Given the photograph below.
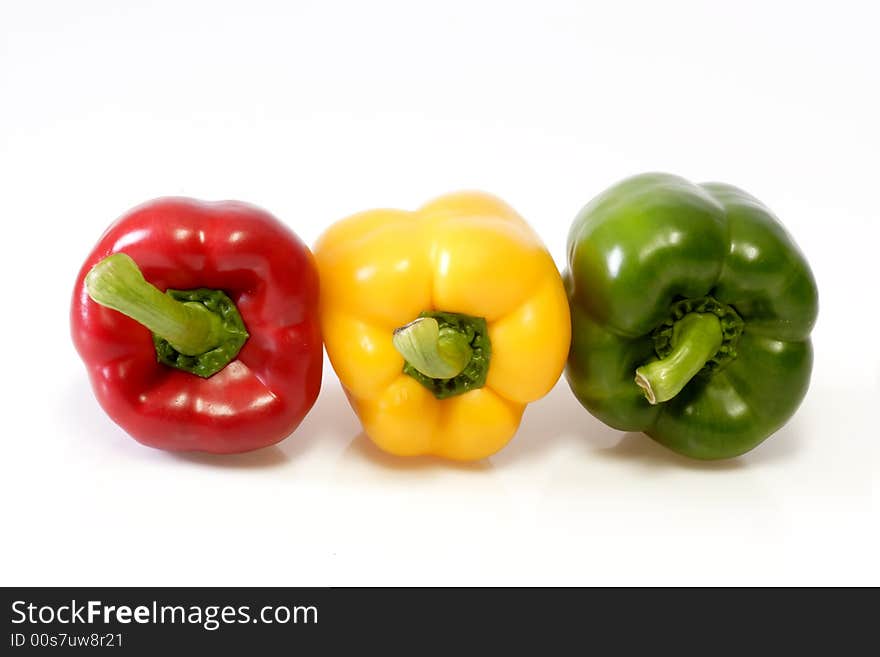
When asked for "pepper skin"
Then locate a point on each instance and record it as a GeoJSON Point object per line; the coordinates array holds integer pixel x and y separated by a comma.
{"type": "Point", "coordinates": [263, 393]}
{"type": "Point", "coordinates": [667, 278]}
{"type": "Point", "coordinates": [471, 257]}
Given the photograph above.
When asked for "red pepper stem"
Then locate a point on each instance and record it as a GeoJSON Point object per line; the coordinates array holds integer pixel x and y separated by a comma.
{"type": "Point", "coordinates": [117, 282]}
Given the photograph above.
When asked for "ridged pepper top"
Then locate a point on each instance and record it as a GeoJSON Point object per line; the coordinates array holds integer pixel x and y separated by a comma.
{"type": "Point", "coordinates": [466, 253]}
{"type": "Point", "coordinates": [656, 243]}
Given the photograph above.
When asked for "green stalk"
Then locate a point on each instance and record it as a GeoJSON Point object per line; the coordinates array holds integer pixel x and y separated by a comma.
{"type": "Point", "coordinates": [190, 328]}
{"type": "Point", "coordinates": [696, 338]}
{"type": "Point", "coordinates": [436, 353]}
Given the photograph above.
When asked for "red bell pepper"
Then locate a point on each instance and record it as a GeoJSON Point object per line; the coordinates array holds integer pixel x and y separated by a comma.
{"type": "Point", "coordinates": [229, 358]}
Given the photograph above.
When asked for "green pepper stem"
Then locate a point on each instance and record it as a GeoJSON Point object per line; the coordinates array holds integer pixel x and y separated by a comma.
{"type": "Point", "coordinates": [117, 282]}
{"type": "Point", "coordinates": [696, 338]}
{"type": "Point", "coordinates": [437, 353]}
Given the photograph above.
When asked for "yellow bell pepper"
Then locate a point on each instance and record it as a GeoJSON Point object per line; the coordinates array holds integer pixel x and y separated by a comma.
{"type": "Point", "coordinates": [453, 383]}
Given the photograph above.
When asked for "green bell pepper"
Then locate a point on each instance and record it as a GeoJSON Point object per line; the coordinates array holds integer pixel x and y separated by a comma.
{"type": "Point", "coordinates": [691, 315]}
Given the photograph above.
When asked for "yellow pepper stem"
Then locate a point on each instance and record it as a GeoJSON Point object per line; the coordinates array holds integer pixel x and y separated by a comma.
{"type": "Point", "coordinates": [437, 353]}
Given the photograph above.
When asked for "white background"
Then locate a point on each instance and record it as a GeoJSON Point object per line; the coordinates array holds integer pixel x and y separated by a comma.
{"type": "Point", "coordinates": [318, 110]}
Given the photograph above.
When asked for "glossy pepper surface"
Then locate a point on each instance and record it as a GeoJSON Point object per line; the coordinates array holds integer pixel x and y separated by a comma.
{"type": "Point", "coordinates": [691, 315]}
{"type": "Point", "coordinates": [442, 324]}
{"type": "Point", "coordinates": [232, 357]}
